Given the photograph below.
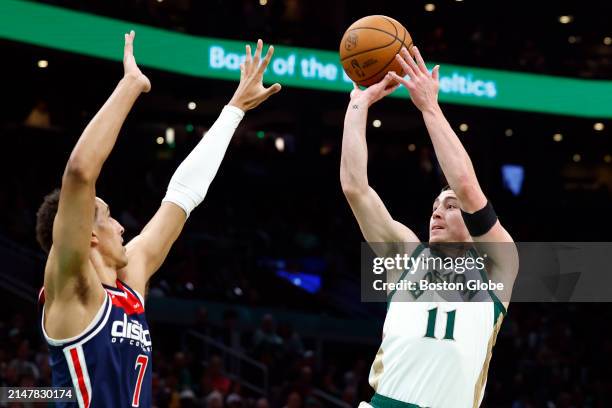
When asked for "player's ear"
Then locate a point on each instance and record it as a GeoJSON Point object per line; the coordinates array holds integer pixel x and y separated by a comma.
{"type": "Point", "coordinates": [94, 239]}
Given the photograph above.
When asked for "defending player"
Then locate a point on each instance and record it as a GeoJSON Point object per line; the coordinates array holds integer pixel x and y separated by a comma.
{"type": "Point", "coordinates": [433, 353]}
{"type": "Point", "coordinates": [93, 314]}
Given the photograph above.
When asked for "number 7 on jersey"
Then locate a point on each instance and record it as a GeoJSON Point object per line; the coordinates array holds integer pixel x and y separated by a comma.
{"type": "Point", "coordinates": [141, 366]}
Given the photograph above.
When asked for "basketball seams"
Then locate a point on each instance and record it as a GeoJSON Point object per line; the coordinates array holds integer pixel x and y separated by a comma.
{"type": "Point", "coordinates": [392, 23]}
{"type": "Point", "coordinates": [395, 38]}
{"type": "Point", "coordinates": [370, 49]}
{"type": "Point", "coordinates": [376, 29]}
{"type": "Point", "coordinates": [391, 60]}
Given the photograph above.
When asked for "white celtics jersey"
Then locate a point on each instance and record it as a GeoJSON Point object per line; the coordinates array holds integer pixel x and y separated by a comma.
{"type": "Point", "coordinates": [435, 353]}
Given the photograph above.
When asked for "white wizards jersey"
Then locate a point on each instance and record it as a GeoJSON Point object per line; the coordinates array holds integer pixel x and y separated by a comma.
{"type": "Point", "coordinates": [435, 353]}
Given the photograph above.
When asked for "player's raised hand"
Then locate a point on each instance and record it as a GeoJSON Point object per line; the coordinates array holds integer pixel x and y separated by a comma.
{"type": "Point", "coordinates": [130, 69]}
{"type": "Point", "coordinates": [423, 86]}
{"type": "Point", "coordinates": [251, 92]}
{"type": "Point", "coordinates": [375, 92]}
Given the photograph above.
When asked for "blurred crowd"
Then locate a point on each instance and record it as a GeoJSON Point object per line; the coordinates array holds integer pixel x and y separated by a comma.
{"type": "Point", "coordinates": [547, 355]}
{"type": "Point", "coordinates": [267, 211]}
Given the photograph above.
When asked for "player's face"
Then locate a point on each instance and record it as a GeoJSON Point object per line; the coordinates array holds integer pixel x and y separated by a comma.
{"type": "Point", "coordinates": [446, 223]}
{"type": "Point", "coordinates": [109, 234]}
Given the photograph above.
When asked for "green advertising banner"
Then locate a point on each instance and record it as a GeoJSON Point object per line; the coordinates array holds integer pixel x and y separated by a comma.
{"type": "Point", "coordinates": [102, 37]}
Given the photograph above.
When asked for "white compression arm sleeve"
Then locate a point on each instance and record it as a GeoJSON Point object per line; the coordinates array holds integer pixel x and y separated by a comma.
{"type": "Point", "coordinates": [192, 178]}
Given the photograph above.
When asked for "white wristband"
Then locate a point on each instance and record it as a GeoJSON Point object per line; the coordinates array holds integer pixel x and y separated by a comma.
{"type": "Point", "coordinates": [192, 178]}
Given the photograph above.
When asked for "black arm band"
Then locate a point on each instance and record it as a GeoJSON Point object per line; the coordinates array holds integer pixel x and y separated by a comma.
{"type": "Point", "coordinates": [481, 221]}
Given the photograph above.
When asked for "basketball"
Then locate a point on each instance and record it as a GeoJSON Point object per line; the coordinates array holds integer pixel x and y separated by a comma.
{"type": "Point", "coordinates": [368, 48]}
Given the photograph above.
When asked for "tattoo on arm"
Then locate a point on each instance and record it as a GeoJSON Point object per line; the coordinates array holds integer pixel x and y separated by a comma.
{"type": "Point", "coordinates": [355, 106]}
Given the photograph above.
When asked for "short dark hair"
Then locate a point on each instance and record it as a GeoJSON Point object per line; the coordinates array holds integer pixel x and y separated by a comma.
{"type": "Point", "coordinates": [44, 219]}
{"type": "Point", "coordinates": [445, 188]}
{"type": "Point", "coordinates": [45, 216]}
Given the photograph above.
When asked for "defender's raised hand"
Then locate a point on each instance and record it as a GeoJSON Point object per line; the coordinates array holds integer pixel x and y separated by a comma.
{"type": "Point", "coordinates": [130, 69]}
{"type": "Point", "coordinates": [251, 92]}
{"type": "Point", "coordinates": [423, 86]}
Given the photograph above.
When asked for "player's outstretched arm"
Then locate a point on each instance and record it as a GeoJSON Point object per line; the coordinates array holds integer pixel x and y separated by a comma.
{"type": "Point", "coordinates": [73, 224]}
{"type": "Point", "coordinates": [454, 160]}
{"type": "Point", "coordinates": [193, 177]}
{"type": "Point", "coordinates": [374, 219]}
{"type": "Point", "coordinates": [452, 156]}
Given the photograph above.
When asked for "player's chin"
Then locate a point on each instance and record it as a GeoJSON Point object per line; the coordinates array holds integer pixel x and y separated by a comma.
{"type": "Point", "coordinates": [123, 259]}
{"type": "Point", "coordinates": [437, 236]}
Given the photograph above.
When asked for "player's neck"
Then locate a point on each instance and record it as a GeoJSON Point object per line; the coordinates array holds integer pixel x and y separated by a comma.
{"type": "Point", "coordinates": [106, 271]}
{"type": "Point", "coordinates": [450, 249]}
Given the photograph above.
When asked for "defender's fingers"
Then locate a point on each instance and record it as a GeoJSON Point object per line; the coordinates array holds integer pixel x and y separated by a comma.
{"type": "Point", "coordinates": [128, 48]}
{"type": "Point", "coordinates": [266, 59]}
{"type": "Point", "coordinates": [273, 89]}
{"type": "Point", "coordinates": [249, 58]}
{"type": "Point", "coordinates": [258, 52]}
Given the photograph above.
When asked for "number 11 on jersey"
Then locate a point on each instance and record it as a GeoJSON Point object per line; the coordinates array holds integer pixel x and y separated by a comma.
{"type": "Point", "coordinates": [450, 324]}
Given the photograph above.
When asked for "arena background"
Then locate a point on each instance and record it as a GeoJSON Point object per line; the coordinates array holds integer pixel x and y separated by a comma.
{"type": "Point", "coordinates": [258, 302]}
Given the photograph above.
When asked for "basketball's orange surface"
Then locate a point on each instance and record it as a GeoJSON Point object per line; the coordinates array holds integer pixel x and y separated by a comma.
{"type": "Point", "coordinates": [368, 48]}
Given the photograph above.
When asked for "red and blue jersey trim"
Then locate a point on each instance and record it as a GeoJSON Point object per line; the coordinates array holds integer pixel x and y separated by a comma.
{"type": "Point", "coordinates": [126, 298]}
{"type": "Point", "coordinates": [110, 352]}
